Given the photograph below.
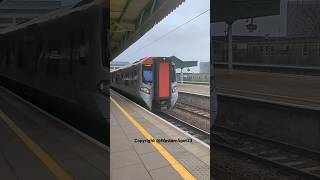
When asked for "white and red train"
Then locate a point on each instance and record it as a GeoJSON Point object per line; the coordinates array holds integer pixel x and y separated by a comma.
{"type": "Point", "coordinates": [150, 81]}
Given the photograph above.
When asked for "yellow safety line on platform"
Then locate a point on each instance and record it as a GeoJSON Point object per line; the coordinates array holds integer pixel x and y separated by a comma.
{"type": "Point", "coordinates": [174, 163]}
{"type": "Point", "coordinates": [36, 149]}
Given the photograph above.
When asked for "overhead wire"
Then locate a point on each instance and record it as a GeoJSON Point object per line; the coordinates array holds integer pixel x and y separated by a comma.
{"type": "Point", "coordinates": [171, 31]}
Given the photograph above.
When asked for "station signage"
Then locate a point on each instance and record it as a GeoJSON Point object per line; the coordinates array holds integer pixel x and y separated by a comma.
{"type": "Point", "coordinates": [232, 10]}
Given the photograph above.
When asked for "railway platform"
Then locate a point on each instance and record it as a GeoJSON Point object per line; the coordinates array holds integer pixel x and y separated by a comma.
{"type": "Point", "coordinates": [195, 89]}
{"type": "Point", "coordinates": [36, 145]}
{"type": "Point", "coordinates": [144, 146]}
{"type": "Point", "coordinates": [300, 90]}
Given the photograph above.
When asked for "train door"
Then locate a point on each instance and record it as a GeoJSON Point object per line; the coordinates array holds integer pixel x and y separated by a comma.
{"type": "Point", "coordinates": [162, 85]}
{"type": "Point", "coordinates": [164, 80]}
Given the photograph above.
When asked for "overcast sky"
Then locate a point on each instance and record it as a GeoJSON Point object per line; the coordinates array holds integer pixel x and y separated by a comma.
{"type": "Point", "coordinates": [191, 42]}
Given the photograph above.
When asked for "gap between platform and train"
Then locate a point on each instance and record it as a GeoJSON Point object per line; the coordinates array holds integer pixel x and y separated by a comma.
{"type": "Point", "coordinates": [172, 161]}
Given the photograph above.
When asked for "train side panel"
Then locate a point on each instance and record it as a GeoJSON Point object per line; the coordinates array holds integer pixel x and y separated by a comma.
{"type": "Point", "coordinates": [57, 65]}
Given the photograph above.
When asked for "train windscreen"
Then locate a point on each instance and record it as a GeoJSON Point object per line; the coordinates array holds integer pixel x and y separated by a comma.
{"type": "Point", "coordinates": [147, 74]}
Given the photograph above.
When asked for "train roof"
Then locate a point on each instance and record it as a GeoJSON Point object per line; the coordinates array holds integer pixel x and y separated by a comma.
{"type": "Point", "coordinates": [148, 59]}
{"type": "Point", "coordinates": [62, 12]}
{"type": "Point", "coordinates": [141, 61]}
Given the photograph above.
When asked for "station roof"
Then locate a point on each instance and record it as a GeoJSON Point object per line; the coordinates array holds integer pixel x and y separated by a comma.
{"type": "Point", "coordinates": [231, 10]}
{"type": "Point", "coordinates": [183, 64]}
{"type": "Point", "coordinates": [131, 19]}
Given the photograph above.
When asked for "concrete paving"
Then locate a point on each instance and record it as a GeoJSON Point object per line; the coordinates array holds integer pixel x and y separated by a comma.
{"type": "Point", "coordinates": [35, 146]}
{"type": "Point", "coordinates": [132, 160]}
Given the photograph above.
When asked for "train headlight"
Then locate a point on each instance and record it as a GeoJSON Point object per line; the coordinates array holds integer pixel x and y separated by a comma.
{"type": "Point", "coordinates": [145, 90]}
{"type": "Point", "coordinates": [174, 89]}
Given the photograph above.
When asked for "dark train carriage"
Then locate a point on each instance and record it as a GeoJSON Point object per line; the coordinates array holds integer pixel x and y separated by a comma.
{"type": "Point", "coordinates": [59, 62]}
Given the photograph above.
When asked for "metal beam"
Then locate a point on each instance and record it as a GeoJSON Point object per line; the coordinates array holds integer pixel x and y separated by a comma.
{"type": "Point", "coordinates": [123, 26]}
{"type": "Point", "coordinates": [121, 16]}
{"type": "Point", "coordinates": [153, 5]}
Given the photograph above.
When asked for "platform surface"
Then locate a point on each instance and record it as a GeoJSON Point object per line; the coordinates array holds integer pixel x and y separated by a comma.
{"type": "Point", "coordinates": [35, 146]}
{"type": "Point", "coordinates": [132, 160]}
{"type": "Point", "coordinates": [195, 88]}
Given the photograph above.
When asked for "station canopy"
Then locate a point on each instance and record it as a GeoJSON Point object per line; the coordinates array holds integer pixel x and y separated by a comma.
{"type": "Point", "coordinates": [232, 10]}
{"type": "Point", "coordinates": [131, 19]}
{"type": "Point", "coordinates": [183, 64]}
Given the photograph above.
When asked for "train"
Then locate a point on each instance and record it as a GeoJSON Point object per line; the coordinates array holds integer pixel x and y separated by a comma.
{"type": "Point", "coordinates": [151, 81]}
{"type": "Point", "coordinates": [60, 62]}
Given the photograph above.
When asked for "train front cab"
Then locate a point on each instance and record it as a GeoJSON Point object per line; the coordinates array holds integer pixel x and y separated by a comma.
{"type": "Point", "coordinates": [159, 74]}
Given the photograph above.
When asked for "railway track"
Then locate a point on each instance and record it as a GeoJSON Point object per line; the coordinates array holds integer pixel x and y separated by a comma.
{"type": "Point", "coordinates": [194, 110]}
{"type": "Point", "coordinates": [265, 97]}
{"type": "Point", "coordinates": [302, 162]}
{"type": "Point", "coordinates": [297, 160]}
{"type": "Point", "coordinates": [190, 129]}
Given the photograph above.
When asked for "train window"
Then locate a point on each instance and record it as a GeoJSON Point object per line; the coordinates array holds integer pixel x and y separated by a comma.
{"type": "Point", "coordinates": [135, 75]}
{"type": "Point", "coordinates": [53, 66]}
{"type": "Point", "coordinates": [30, 55]}
{"type": "Point", "coordinates": [287, 50]}
{"type": "Point", "coordinates": [20, 56]}
{"type": "Point", "coordinates": [271, 50]}
{"type": "Point", "coordinates": [267, 51]}
{"type": "Point", "coordinates": [55, 55]}
{"type": "Point", "coordinates": [82, 37]}
{"type": "Point", "coordinates": [261, 48]}
{"type": "Point", "coordinates": [83, 48]}
{"type": "Point", "coordinates": [147, 73]}
{"type": "Point", "coordinates": [131, 78]}
{"type": "Point", "coordinates": [71, 52]}
{"type": "Point", "coordinates": [305, 50]}
{"type": "Point", "coordinates": [173, 73]}
{"type": "Point", "coordinates": [38, 54]}
{"type": "Point", "coordinates": [54, 47]}
{"type": "Point", "coordinates": [8, 58]}
{"type": "Point", "coordinates": [117, 78]}
{"type": "Point", "coordinates": [126, 79]}
{"type": "Point", "coordinates": [1, 55]}
{"type": "Point", "coordinates": [147, 76]}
